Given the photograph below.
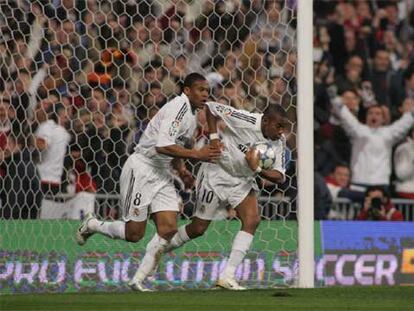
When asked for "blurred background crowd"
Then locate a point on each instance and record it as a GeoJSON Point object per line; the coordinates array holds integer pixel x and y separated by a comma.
{"type": "Point", "coordinates": [80, 80]}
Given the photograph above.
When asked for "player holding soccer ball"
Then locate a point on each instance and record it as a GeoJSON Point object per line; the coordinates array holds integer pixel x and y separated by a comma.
{"type": "Point", "coordinates": [232, 180]}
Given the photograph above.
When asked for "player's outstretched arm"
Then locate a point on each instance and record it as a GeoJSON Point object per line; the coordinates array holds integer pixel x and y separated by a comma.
{"type": "Point", "coordinates": [206, 154]}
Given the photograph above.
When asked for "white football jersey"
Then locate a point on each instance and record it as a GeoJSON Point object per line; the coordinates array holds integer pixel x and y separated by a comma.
{"type": "Point", "coordinates": [243, 130]}
{"type": "Point", "coordinates": [51, 160]}
{"type": "Point", "coordinates": [174, 124]}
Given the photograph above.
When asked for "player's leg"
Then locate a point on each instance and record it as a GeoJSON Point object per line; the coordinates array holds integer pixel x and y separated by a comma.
{"type": "Point", "coordinates": [164, 209]}
{"type": "Point", "coordinates": [130, 231]}
{"type": "Point", "coordinates": [185, 233]}
{"type": "Point", "coordinates": [135, 199]}
{"type": "Point", "coordinates": [248, 214]}
{"type": "Point", "coordinates": [207, 204]}
{"type": "Point", "coordinates": [166, 224]}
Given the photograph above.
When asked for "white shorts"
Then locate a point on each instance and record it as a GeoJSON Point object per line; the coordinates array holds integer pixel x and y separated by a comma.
{"type": "Point", "coordinates": [216, 189]}
{"type": "Point", "coordinates": [145, 190]}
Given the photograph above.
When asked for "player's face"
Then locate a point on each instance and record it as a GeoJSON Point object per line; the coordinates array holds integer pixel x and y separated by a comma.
{"type": "Point", "coordinates": [198, 93]}
{"type": "Point", "coordinates": [273, 127]}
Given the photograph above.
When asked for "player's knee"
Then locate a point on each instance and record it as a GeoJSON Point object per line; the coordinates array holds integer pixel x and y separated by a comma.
{"type": "Point", "coordinates": [251, 224]}
{"type": "Point", "coordinates": [133, 237]}
{"type": "Point", "coordinates": [167, 231]}
{"type": "Point", "coordinates": [133, 234]}
{"type": "Point", "coordinates": [256, 221]}
{"type": "Point", "coordinates": [198, 231]}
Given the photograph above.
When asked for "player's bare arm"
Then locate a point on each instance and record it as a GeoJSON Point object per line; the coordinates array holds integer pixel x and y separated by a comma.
{"type": "Point", "coordinates": [185, 175]}
{"type": "Point", "coordinates": [252, 159]}
{"type": "Point", "coordinates": [207, 153]}
{"type": "Point", "coordinates": [212, 128]}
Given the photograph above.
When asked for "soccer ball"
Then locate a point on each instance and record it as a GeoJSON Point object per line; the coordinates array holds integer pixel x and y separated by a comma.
{"type": "Point", "coordinates": [267, 155]}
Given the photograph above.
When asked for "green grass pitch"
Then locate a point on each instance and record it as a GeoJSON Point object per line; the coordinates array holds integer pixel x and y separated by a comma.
{"type": "Point", "coordinates": [335, 298]}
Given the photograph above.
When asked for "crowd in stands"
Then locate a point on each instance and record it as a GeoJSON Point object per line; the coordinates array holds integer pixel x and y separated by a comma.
{"type": "Point", "coordinates": [80, 80]}
{"type": "Point", "coordinates": [364, 100]}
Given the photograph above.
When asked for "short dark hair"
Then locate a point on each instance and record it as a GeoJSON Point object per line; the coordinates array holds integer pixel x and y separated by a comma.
{"type": "Point", "coordinates": [374, 106]}
{"type": "Point", "coordinates": [273, 110]}
{"type": "Point", "coordinates": [192, 78]}
{"type": "Point", "coordinates": [349, 89]}
{"type": "Point", "coordinates": [384, 192]}
{"type": "Point", "coordinates": [340, 164]}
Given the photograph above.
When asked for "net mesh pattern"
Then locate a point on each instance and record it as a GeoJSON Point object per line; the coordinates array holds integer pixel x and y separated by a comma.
{"type": "Point", "coordinates": [86, 77]}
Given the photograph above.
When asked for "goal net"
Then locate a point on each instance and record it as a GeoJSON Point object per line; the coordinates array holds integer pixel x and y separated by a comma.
{"type": "Point", "coordinates": [80, 80]}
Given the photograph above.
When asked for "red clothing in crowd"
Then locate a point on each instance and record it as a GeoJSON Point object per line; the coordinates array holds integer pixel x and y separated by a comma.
{"type": "Point", "coordinates": [391, 213]}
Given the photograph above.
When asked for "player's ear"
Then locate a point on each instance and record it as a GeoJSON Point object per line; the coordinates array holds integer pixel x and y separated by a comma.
{"type": "Point", "coordinates": [187, 90]}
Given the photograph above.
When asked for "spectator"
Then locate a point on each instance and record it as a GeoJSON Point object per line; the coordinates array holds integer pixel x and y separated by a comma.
{"type": "Point", "coordinates": [377, 206]}
{"type": "Point", "coordinates": [381, 75]}
{"type": "Point", "coordinates": [335, 138]}
{"type": "Point", "coordinates": [52, 140]}
{"type": "Point", "coordinates": [353, 74]}
{"type": "Point", "coordinates": [5, 122]}
{"type": "Point", "coordinates": [404, 168]}
{"type": "Point", "coordinates": [20, 193]}
{"type": "Point", "coordinates": [225, 69]}
{"type": "Point", "coordinates": [323, 198]}
{"type": "Point", "coordinates": [98, 101]}
{"type": "Point", "coordinates": [402, 87]}
{"type": "Point", "coordinates": [372, 143]}
{"type": "Point", "coordinates": [153, 72]}
{"type": "Point", "coordinates": [338, 184]}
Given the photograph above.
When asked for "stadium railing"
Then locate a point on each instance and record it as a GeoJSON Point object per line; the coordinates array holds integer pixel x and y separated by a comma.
{"type": "Point", "coordinates": [345, 209]}
{"type": "Point", "coordinates": [273, 208]}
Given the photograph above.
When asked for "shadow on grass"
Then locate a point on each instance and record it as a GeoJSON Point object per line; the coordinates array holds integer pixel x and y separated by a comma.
{"type": "Point", "coordinates": [282, 294]}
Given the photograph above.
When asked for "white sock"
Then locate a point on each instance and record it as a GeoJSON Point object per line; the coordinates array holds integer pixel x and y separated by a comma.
{"type": "Point", "coordinates": [153, 252]}
{"type": "Point", "coordinates": [180, 238]}
{"type": "Point", "coordinates": [241, 245]}
{"type": "Point", "coordinates": [112, 229]}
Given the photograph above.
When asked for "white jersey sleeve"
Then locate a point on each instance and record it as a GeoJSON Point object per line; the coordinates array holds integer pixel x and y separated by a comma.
{"type": "Point", "coordinates": [280, 150]}
{"type": "Point", "coordinates": [44, 131]}
{"type": "Point", "coordinates": [175, 123]}
{"type": "Point", "coordinates": [234, 119]}
{"type": "Point", "coordinates": [172, 125]}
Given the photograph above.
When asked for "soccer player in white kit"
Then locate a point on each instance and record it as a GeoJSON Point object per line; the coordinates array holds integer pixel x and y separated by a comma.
{"type": "Point", "coordinates": [146, 183]}
{"type": "Point", "coordinates": [232, 180]}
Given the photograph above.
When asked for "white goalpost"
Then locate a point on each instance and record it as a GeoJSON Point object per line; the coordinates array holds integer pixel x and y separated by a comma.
{"type": "Point", "coordinates": [305, 145]}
